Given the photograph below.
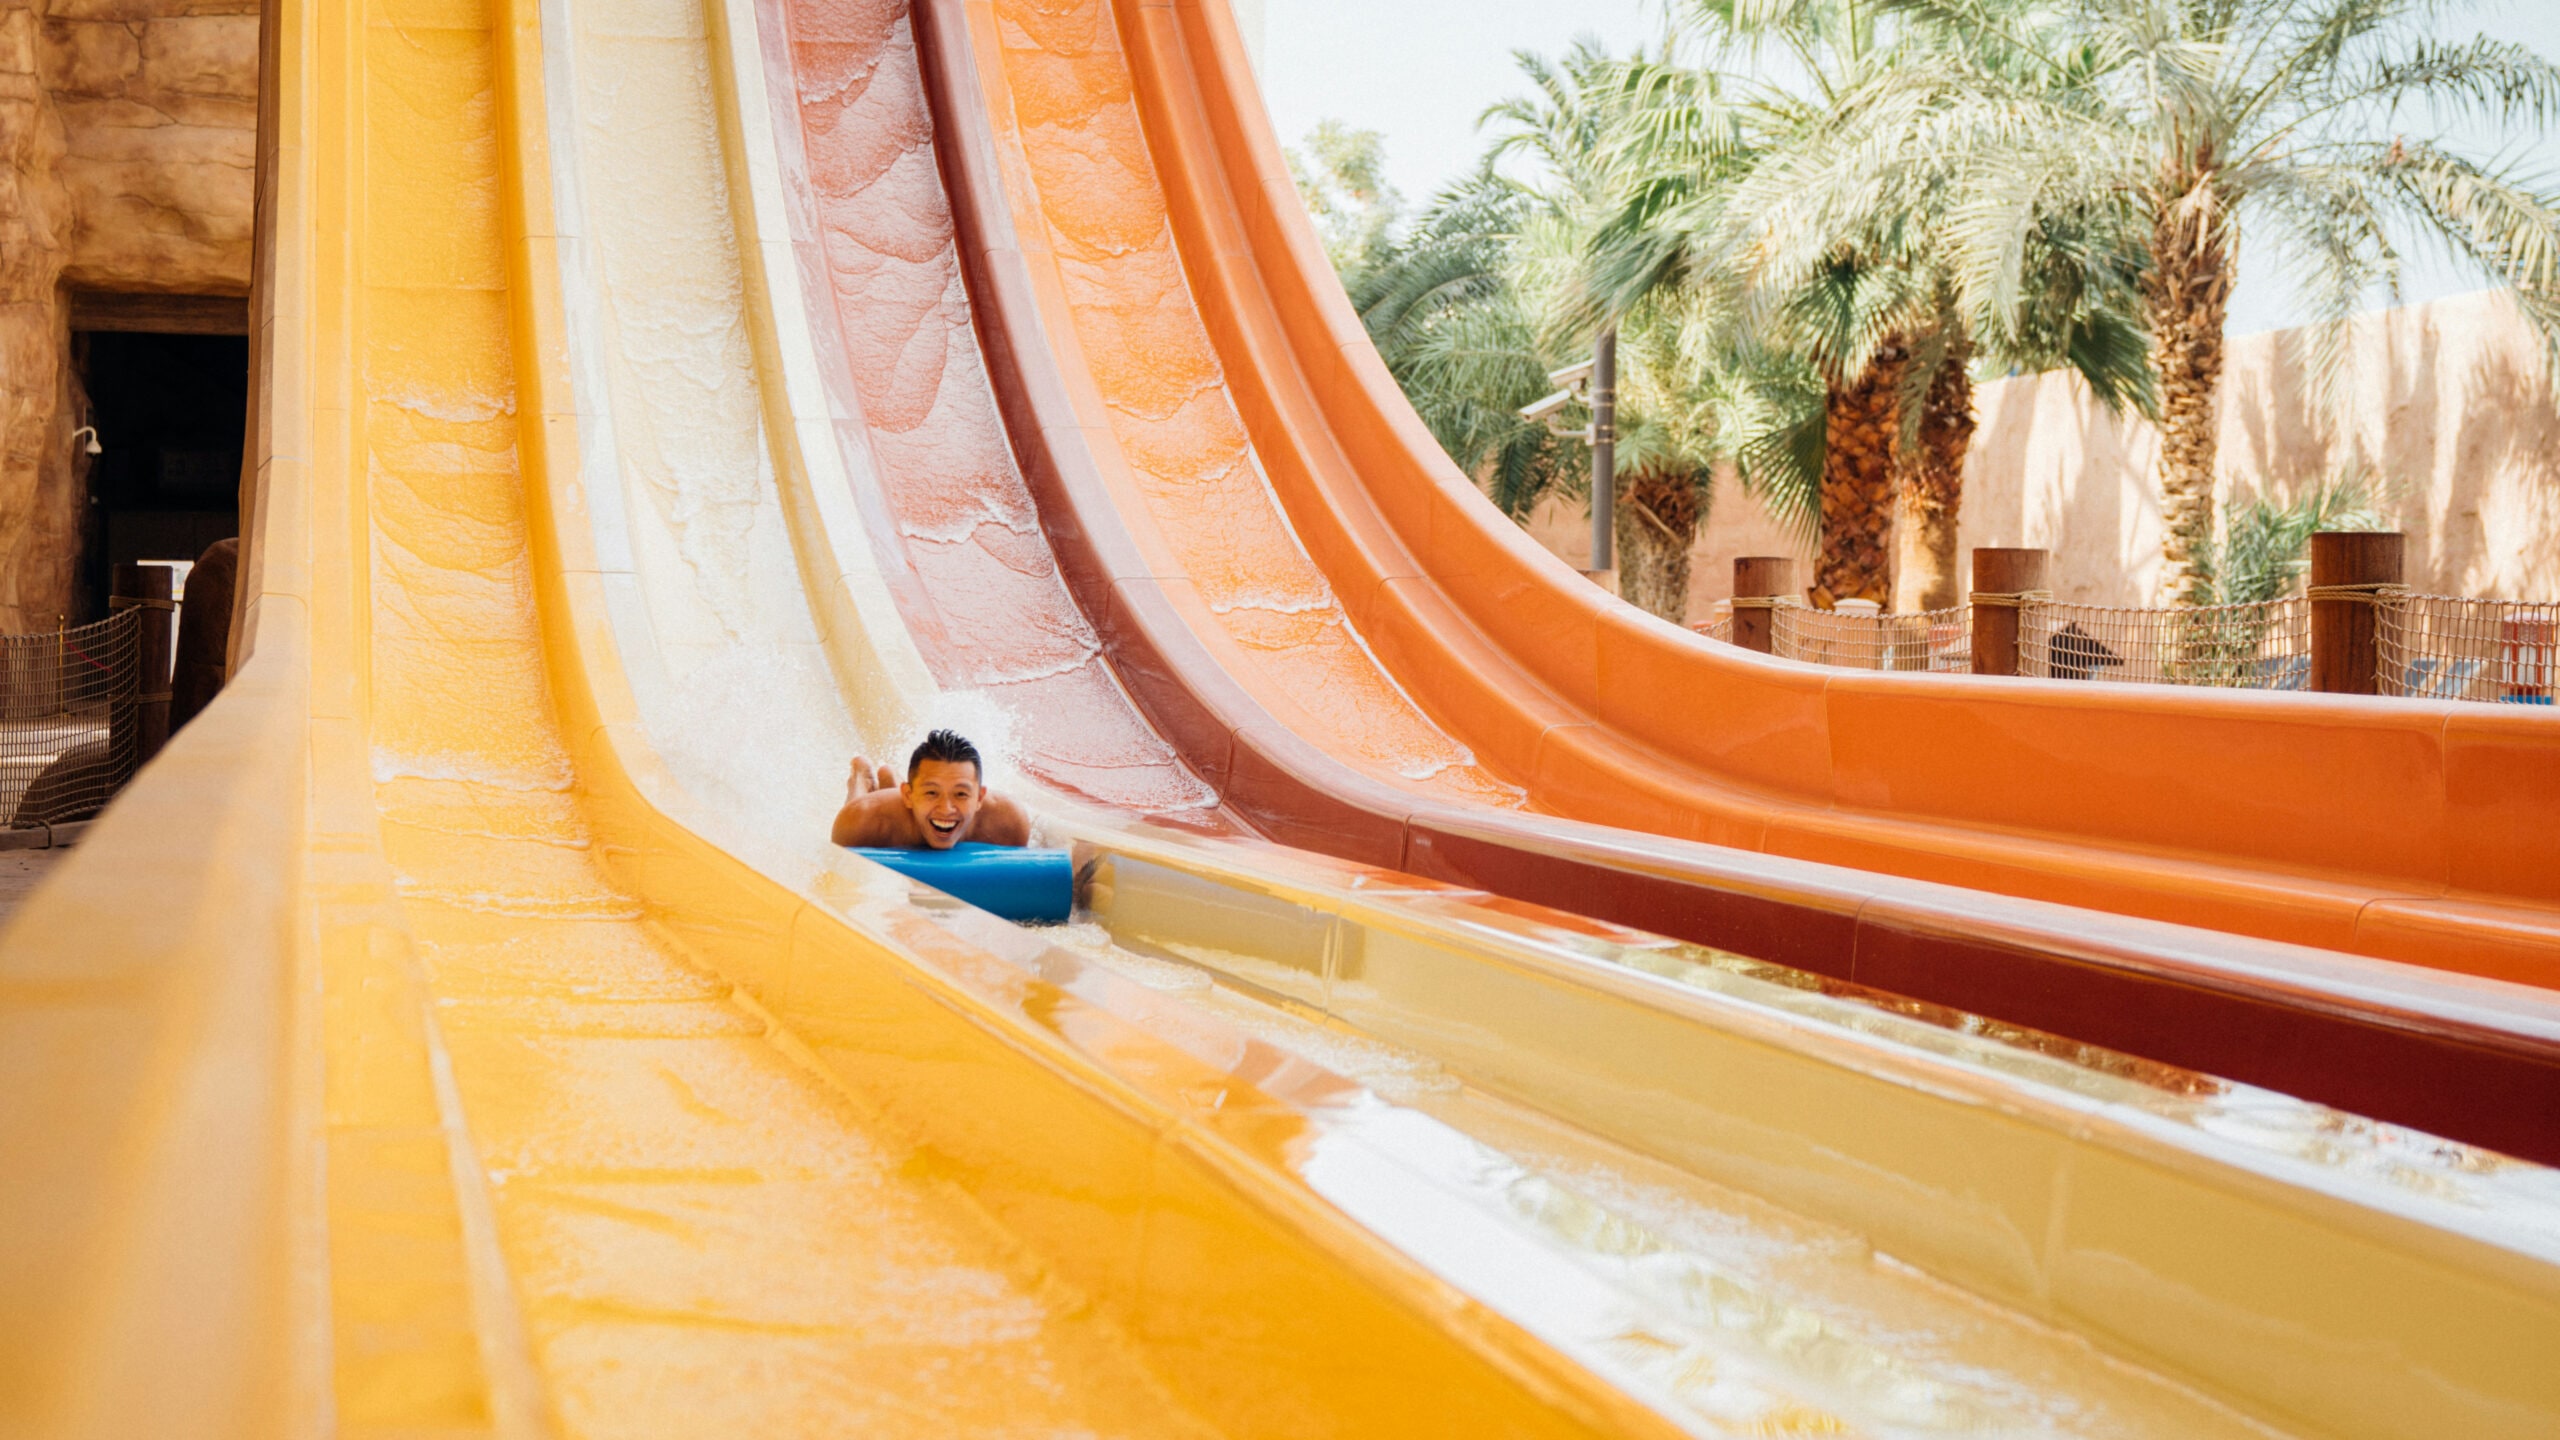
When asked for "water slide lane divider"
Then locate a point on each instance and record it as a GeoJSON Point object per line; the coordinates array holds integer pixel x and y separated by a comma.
{"type": "Point", "coordinates": [2012, 1189]}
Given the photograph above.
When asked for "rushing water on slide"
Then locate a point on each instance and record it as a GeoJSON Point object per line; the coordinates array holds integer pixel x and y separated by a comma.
{"type": "Point", "coordinates": [1758, 1320]}
{"type": "Point", "coordinates": [674, 1194]}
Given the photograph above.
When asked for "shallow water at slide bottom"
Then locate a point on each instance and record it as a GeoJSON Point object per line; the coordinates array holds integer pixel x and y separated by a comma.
{"type": "Point", "coordinates": [1752, 1313]}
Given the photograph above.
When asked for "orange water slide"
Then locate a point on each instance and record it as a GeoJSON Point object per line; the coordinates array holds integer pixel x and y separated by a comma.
{"type": "Point", "coordinates": [2420, 832]}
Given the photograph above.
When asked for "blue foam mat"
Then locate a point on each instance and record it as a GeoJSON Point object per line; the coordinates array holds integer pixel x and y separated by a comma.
{"type": "Point", "coordinates": [1015, 883]}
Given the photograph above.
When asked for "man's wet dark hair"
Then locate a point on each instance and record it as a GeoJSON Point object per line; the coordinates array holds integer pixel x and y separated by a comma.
{"type": "Point", "coordinates": [949, 747]}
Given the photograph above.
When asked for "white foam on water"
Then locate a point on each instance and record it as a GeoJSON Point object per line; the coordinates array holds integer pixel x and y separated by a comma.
{"type": "Point", "coordinates": [553, 777]}
{"type": "Point", "coordinates": [456, 404]}
{"type": "Point", "coordinates": [760, 736]}
{"type": "Point", "coordinates": [979, 717]}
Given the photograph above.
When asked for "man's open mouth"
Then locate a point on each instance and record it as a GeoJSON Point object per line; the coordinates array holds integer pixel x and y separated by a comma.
{"type": "Point", "coordinates": [944, 827]}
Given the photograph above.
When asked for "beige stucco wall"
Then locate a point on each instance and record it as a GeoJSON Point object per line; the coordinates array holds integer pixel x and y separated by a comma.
{"type": "Point", "coordinates": [2449, 406]}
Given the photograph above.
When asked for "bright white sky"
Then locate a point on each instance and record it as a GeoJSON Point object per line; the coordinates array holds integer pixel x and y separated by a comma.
{"type": "Point", "coordinates": [1421, 71]}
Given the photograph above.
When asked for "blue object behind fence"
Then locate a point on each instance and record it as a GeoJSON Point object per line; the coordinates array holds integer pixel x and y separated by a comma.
{"type": "Point", "coordinates": [1014, 883]}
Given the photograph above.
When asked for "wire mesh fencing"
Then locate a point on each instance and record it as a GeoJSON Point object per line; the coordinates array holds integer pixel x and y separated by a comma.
{"type": "Point", "coordinates": [68, 732]}
{"type": "Point", "coordinates": [2443, 647]}
{"type": "Point", "coordinates": [1933, 640]}
{"type": "Point", "coordinates": [2263, 646]}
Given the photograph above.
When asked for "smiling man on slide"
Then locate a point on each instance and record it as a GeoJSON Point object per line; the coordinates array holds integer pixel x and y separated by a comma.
{"type": "Point", "coordinates": [943, 802]}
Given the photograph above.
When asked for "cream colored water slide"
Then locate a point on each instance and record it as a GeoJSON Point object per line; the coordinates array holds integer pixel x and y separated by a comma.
{"type": "Point", "coordinates": [464, 1029]}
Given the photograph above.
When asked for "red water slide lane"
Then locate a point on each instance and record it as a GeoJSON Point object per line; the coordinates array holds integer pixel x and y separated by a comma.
{"type": "Point", "coordinates": [2474, 1060]}
{"type": "Point", "coordinates": [948, 515]}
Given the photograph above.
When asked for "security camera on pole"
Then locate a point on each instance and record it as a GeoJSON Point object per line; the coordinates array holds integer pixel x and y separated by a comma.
{"type": "Point", "coordinates": [1595, 379]}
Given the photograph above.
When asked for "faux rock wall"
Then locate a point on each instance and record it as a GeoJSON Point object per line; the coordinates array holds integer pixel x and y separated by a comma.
{"type": "Point", "coordinates": [128, 147]}
{"type": "Point", "coordinates": [39, 489]}
{"type": "Point", "coordinates": [159, 105]}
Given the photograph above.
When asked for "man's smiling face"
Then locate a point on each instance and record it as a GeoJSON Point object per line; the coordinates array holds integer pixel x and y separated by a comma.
{"type": "Point", "coordinates": [944, 796]}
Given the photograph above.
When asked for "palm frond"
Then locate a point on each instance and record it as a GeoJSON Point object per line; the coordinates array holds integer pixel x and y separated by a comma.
{"type": "Point", "coordinates": [2496, 79]}
{"type": "Point", "coordinates": [2264, 547]}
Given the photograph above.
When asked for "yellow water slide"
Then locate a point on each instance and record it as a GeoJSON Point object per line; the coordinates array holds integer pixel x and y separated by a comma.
{"type": "Point", "coordinates": [462, 1028]}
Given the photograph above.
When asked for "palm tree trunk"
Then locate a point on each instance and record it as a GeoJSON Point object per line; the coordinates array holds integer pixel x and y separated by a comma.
{"type": "Point", "coordinates": [2188, 294]}
{"type": "Point", "coordinates": [1657, 522]}
{"type": "Point", "coordinates": [1928, 569]}
{"type": "Point", "coordinates": [1860, 423]}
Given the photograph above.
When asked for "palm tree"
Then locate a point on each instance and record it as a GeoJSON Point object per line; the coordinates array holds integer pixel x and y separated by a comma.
{"type": "Point", "coordinates": [1832, 241]}
{"type": "Point", "coordinates": [1700, 175]}
{"type": "Point", "coordinates": [1670, 428]}
{"type": "Point", "coordinates": [1440, 306]}
{"type": "Point", "coordinates": [1663, 464]}
{"type": "Point", "coordinates": [2196, 118]}
{"type": "Point", "coordinates": [1676, 167]}
{"type": "Point", "coordinates": [1849, 227]}
{"type": "Point", "coordinates": [1475, 308]}
{"type": "Point", "coordinates": [1341, 174]}
{"type": "Point", "coordinates": [1449, 314]}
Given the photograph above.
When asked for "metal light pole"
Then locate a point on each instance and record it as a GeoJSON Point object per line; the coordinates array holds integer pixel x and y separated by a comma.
{"type": "Point", "coordinates": [1604, 454]}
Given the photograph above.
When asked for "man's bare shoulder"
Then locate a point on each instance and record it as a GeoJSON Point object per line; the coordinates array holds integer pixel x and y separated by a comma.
{"type": "Point", "coordinates": [1001, 822]}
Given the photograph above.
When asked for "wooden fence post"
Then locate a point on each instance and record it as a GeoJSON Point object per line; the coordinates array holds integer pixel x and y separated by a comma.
{"type": "Point", "coordinates": [2350, 571]}
{"type": "Point", "coordinates": [1762, 579]}
{"type": "Point", "coordinates": [148, 588]}
{"type": "Point", "coordinates": [2003, 580]}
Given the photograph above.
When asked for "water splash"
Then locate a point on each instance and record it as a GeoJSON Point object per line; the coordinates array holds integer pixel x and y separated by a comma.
{"type": "Point", "coordinates": [980, 716]}
{"type": "Point", "coordinates": [760, 735]}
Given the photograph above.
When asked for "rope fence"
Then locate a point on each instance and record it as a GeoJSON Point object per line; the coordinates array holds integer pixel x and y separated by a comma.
{"type": "Point", "coordinates": [2442, 647]}
{"type": "Point", "coordinates": [2350, 633]}
{"type": "Point", "coordinates": [1931, 640]}
{"type": "Point", "coordinates": [69, 736]}
{"type": "Point", "coordinates": [2234, 647]}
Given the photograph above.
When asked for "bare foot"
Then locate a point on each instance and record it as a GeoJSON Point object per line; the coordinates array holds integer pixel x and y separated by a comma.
{"type": "Point", "coordinates": [866, 778]}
